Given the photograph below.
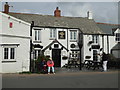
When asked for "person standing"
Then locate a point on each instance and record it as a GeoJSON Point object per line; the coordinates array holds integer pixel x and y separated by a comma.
{"type": "Point", "coordinates": [50, 64]}
{"type": "Point", "coordinates": [104, 61]}
{"type": "Point", "coordinates": [43, 65]}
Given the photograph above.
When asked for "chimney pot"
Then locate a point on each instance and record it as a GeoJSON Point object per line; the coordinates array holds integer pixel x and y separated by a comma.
{"type": "Point", "coordinates": [89, 15]}
{"type": "Point", "coordinates": [6, 8]}
{"type": "Point", "coordinates": [57, 12]}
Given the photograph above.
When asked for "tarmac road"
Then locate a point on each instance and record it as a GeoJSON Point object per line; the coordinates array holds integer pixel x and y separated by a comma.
{"type": "Point", "coordinates": [62, 80]}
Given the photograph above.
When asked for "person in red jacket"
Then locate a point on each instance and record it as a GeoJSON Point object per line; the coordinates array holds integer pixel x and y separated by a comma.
{"type": "Point", "coordinates": [50, 64]}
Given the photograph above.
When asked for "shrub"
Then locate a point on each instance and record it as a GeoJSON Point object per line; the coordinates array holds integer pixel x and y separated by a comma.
{"type": "Point", "coordinates": [38, 62]}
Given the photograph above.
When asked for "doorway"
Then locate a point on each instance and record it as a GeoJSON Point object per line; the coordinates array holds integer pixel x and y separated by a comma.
{"type": "Point", "coordinates": [56, 56]}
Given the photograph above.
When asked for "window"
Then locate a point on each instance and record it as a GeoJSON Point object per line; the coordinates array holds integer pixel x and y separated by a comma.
{"type": "Point", "coordinates": [74, 54]}
{"type": "Point", "coordinates": [37, 53]}
{"type": "Point", "coordinates": [95, 38]}
{"type": "Point", "coordinates": [95, 56]}
{"type": "Point", "coordinates": [12, 53]}
{"type": "Point", "coordinates": [9, 53]}
{"type": "Point", "coordinates": [37, 35]}
{"type": "Point", "coordinates": [6, 51]}
{"type": "Point", "coordinates": [53, 33]}
{"type": "Point", "coordinates": [117, 37]}
{"type": "Point", "coordinates": [73, 35]}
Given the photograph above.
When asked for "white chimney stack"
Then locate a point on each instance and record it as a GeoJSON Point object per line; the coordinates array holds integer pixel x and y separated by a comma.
{"type": "Point", "coordinates": [89, 15]}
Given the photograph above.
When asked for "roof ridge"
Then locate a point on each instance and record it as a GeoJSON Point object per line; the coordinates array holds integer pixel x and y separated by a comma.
{"type": "Point", "coordinates": [45, 15]}
{"type": "Point", "coordinates": [107, 23]}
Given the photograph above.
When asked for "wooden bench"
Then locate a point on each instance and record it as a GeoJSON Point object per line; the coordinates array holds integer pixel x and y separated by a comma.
{"type": "Point", "coordinates": [72, 63]}
{"type": "Point", "coordinates": [92, 64]}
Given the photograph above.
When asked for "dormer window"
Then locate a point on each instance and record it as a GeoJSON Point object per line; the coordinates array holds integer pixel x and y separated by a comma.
{"type": "Point", "coordinates": [117, 38]}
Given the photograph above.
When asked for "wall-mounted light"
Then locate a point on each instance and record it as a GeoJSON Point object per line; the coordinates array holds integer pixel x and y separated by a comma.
{"type": "Point", "coordinates": [89, 49]}
{"type": "Point", "coordinates": [101, 49]}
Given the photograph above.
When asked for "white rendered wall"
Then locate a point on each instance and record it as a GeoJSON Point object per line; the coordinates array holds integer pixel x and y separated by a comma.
{"type": "Point", "coordinates": [18, 34]}
{"type": "Point", "coordinates": [0, 42]}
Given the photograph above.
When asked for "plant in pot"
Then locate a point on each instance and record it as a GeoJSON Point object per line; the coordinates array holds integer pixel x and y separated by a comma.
{"type": "Point", "coordinates": [65, 57]}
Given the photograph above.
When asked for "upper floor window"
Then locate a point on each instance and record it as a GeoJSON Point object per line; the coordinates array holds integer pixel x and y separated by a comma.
{"type": "Point", "coordinates": [95, 38]}
{"type": "Point", "coordinates": [53, 33]}
{"type": "Point", "coordinates": [9, 53]}
{"type": "Point", "coordinates": [37, 35]}
{"type": "Point", "coordinates": [117, 37]}
{"type": "Point", "coordinates": [73, 35]}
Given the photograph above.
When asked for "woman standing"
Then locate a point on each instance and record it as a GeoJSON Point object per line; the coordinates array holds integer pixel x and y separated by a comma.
{"type": "Point", "coordinates": [50, 64]}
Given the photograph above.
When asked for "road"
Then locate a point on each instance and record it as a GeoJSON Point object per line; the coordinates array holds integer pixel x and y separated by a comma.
{"type": "Point", "coordinates": [62, 80]}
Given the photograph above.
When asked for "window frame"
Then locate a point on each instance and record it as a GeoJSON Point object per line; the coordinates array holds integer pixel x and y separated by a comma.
{"type": "Point", "coordinates": [10, 53]}
{"type": "Point", "coordinates": [37, 53]}
{"type": "Point", "coordinates": [53, 33]}
{"type": "Point", "coordinates": [95, 56]}
{"type": "Point", "coordinates": [73, 35]}
{"type": "Point", "coordinates": [95, 39]}
{"type": "Point", "coordinates": [37, 35]}
{"type": "Point", "coordinates": [117, 37]}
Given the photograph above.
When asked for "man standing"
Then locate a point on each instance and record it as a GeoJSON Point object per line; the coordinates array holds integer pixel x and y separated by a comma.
{"type": "Point", "coordinates": [50, 64]}
{"type": "Point", "coordinates": [104, 61]}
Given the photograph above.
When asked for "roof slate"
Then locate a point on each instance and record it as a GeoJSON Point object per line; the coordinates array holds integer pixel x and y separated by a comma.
{"type": "Point", "coordinates": [107, 28]}
{"type": "Point", "coordinates": [86, 25]}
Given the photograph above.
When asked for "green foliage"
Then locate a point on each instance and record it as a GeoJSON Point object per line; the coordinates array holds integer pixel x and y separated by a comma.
{"type": "Point", "coordinates": [40, 58]}
{"type": "Point", "coordinates": [111, 57]}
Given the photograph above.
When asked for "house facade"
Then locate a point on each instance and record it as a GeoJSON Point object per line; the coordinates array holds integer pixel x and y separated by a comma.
{"type": "Point", "coordinates": [59, 36]}
{"type": "Point", "coordinates": [62, 36]}
{"type": "Point", "coordinates": [113, 36]}
{"type": "Point", "coordinates": [14, 44]}
{"type": "Point", "coordinates": [77, 38]}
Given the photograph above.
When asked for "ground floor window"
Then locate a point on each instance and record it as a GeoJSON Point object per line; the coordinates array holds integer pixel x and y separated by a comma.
{"type": "Point", "coordinates": [95, 56]}
{"type": "Point", "coordinates": [9, 53]}
{"type": "Point", "coordinates": [37, 53]}
{"type": "Point", "coordinates": [74, 54]}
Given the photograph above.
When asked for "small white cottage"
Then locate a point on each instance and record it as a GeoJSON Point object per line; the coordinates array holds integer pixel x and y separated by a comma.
{"type": "Point", "coordinates": [14, 44]}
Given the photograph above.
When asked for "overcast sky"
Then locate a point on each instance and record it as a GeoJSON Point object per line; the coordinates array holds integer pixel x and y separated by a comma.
{"type": "Point", "coordinates": [105, 12]}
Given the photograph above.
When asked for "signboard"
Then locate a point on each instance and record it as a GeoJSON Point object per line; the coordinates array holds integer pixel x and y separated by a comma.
{"type": "Point", "coordinates": [61, 34]}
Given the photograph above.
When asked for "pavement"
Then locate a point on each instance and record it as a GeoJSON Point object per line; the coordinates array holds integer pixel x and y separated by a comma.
{"type": "Point", "coordinates": [64, 78]}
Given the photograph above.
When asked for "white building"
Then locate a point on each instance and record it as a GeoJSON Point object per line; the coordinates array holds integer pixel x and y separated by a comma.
{"type": "Point", "coordinates": [14, 44]}
{"type": "Point", "coordinates": [111, 39]}
{"type": "Point", "coordinates": [58, 36]}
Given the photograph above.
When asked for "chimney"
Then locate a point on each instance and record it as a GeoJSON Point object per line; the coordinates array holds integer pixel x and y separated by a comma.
{"type": "Point", "coordinates": [89, 15]}
{"type": "Point", "coordinates": [6, 8]}
{"type": "Point", "coordinates": [57, 12]}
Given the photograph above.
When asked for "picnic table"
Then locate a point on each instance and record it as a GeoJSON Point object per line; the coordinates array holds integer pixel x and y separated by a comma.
{"type": "Point", "coordinates": [72, 63]}
{"type": "Point", "coordinates": [92, 64]}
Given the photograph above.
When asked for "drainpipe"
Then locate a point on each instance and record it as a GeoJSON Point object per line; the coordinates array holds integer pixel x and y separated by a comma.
{"type": "Point", "coordinates": [107, 44]}
{"type": "Point", "coordinates": [103, 43]}
{"type": "Point", "coordinates": [80, 44]}
{"type": "Point", "coordinates": [32, 24]}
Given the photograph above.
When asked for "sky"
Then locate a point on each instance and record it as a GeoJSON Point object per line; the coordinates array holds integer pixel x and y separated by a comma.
{"type": "Point", "coordinates": [104, 12]}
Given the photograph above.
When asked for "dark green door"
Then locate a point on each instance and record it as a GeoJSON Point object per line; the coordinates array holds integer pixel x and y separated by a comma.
{"type": "Point", "coordinates": [56, 56]}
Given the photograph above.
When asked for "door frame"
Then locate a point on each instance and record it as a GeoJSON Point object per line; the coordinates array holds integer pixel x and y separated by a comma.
{"type": "Point", "coordinates": [59, 57]}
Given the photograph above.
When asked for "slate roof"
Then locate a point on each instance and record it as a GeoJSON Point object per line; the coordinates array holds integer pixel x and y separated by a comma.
{"type": "Point", "coordinates": [107, 28]}
{"type": "Point", "coordinates": [117, 46]}
{"type": "Point", "coordinates": [86, 25]}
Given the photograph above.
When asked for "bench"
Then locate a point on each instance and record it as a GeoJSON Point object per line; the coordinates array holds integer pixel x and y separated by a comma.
{"type": "Point", "coordinates": [92, 64]}
{"type": "Point", "coordinates": [72, 63]}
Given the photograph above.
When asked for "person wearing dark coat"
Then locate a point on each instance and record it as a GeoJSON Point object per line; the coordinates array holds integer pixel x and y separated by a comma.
{"type": "Point", "coordinates": [104, 61]}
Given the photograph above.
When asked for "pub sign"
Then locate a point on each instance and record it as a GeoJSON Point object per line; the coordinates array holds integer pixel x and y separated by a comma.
{"type": "Point", "coordinates": [61, 34]}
